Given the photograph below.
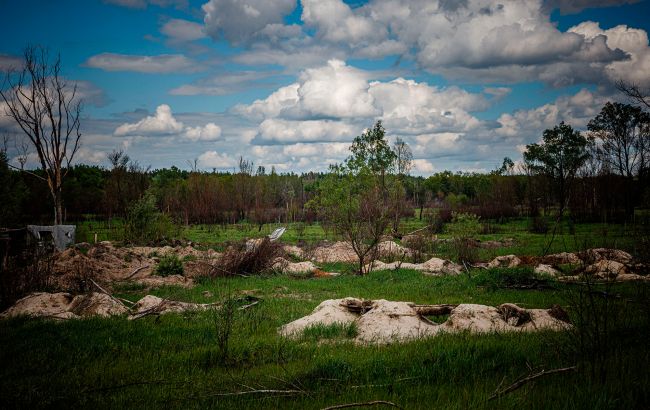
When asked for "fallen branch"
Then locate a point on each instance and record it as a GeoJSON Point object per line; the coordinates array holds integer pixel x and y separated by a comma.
{"type": "Point", "coordinates": [136, 271]}
{"type": "Point", "coordinates": [521, 382]}
{"type": "Point", "coordinates": [364, 404]}
{"type": "Point", "coordinates": [109, 294]}
{"type": "Point", "coordinates": [267, 391]}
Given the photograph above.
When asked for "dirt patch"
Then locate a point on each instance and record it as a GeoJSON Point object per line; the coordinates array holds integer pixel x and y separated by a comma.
{"type": "Point", "coordinates": [382, 321]}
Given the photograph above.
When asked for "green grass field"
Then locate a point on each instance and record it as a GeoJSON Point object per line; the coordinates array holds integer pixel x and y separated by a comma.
{"type": "Point", "coordinates": [175, 360]}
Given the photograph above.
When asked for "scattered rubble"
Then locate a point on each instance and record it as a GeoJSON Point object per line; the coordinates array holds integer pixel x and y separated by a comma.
{"type": "Point", "coordinates": [382, 321]}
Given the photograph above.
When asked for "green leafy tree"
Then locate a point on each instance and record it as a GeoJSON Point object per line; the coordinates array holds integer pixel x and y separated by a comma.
{"type": "Point", "coordinates": [359, 197]}
{"type": "Point", "coordinates": [559, 157]}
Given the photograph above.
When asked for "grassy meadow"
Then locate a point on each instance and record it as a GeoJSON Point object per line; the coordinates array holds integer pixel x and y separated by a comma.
{"type": "Point", "coordinates": [177, 361]}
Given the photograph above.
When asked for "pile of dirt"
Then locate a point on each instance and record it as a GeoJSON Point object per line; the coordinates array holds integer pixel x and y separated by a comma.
{"type": "Point", "coordinates": [334, 252]}
{"type": "Point", "coordinates": [506, 261]}
{"type": "Point", "coordinates": [286, 266]}
{"type": "Point", "coordinates": [106, 263]}
{"type": "Point", "coordinates": [434, 267]}
{"type": "Point", "coordinates": [153, 305]}
{"type": "Point", "coordinates": [543, 269]}
{"type": "Point", "coordinates": [65, 306]}
{"type": "Point", "coordinates": [562, 258]}
{"type": "Point", "coordinates": [343, 252]}
{"type": "Point", "coordinates": [382, 321]}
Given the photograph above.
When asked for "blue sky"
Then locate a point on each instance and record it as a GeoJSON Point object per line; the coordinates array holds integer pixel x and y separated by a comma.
{"type": "Point", "coordinates": [290, 83]}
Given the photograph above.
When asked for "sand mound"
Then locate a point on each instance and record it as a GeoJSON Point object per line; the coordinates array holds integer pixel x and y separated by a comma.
{"type": "Point", "coordinates": [343, 252]}
{"type": "Point", "coordinates": [561, 259]}
{"type": "Point", "coordinates": [543, 269]}
{"type": "Point", "coordinates": [506, 261]}
{"type": "Point", "coordinates": [591, 256]}
{"type": "Point", "coordinates": [433, 266]}
{"type": "Point", "coordinates": [286, 266]}
{"type": "Point", "coordinates": [65, 306]}
{"type": "Point", "coordinates": [154, 305]}
{"type": "Point", "coordinates": [382, 321]}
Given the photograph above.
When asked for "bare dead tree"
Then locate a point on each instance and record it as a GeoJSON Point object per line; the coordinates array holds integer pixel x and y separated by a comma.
{"type": "Point", "coordinates": [635, 93]}
{"type": "Point", "coordinates": [47, 110]}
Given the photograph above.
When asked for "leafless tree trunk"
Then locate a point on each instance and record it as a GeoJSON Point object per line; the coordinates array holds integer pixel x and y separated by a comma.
{"type": "Point", "coordinates": [48, 111]}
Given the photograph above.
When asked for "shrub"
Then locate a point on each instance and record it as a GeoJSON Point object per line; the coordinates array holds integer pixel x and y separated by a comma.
{"type": "Point", "coordinates": [463, 228]}
{"type": "Point", "coordinates": [145, 225]}
{"type": "Point", "coordinates": [250, 258]}
{"type": "Point", "coordinates": [169, 265]}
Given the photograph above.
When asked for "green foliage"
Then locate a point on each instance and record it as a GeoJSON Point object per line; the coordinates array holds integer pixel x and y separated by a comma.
{"type": "Point", "coordinates": [464, 225]}
{"type": "Point", "coordinates": [169, 265]}
{"type": "Point", "coordinates": [371, 150]}
{"type": "Point", "coordinates": [463, 228]}
{"type": "Point", "coordinates": [145, 225]}
{"type": "Point", "coordinates": [562, 153]}
{"type": "Point", "coordinates": [333, 331]}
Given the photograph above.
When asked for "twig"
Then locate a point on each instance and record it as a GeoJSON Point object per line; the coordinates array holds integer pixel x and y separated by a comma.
{"type": "Point", "coordinates": [266, 391]}
{"type": "Point", "coordinates": [136, 271]}
{"type": "Point", "coordinates": [364, 404]}
{"type": "Point", "coordinates": [418, 230]}
{"type": "Point", "coordinates": [249, 305]}
{"type": "Point", "coordinates": [519, 383]}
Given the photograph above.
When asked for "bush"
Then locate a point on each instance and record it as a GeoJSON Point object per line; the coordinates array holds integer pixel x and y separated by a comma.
{"type": "Point", "coordinates": [169, 265]}
{"type": "Point", "coordinates": [538, 225]}
{"type": "Point", "coordinates": [252, 258]}
{"type": "Point", "coordinates": [145, 225]}
{"type": "Point", "coordinates": [463, 228]}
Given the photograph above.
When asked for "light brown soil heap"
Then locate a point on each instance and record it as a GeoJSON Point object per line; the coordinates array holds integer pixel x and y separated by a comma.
{"type": "Point", "coordinates": [106, 263]}
{"type": "Point", "coordinates": [65, 306]}
{"type": "Point", "coordinates": [506, 261]}
{"type": "Point", "coordinates": [343, 252]}
{"type": "Point", "coordinates": [433, 267]}
{"type": "Point", "coordinates": [382, 321]}
{"type": "Point", "coordinates": [154, 305]}
{"type": "Point", "coordinates": [286, 266]}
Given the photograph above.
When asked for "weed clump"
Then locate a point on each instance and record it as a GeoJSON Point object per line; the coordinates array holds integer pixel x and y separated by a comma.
{"type": "Point", "coordinates": [169, 265]}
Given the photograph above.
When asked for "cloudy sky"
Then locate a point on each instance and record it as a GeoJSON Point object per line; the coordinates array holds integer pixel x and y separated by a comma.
{"type": "Point", "coordinates": [289, 83]}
